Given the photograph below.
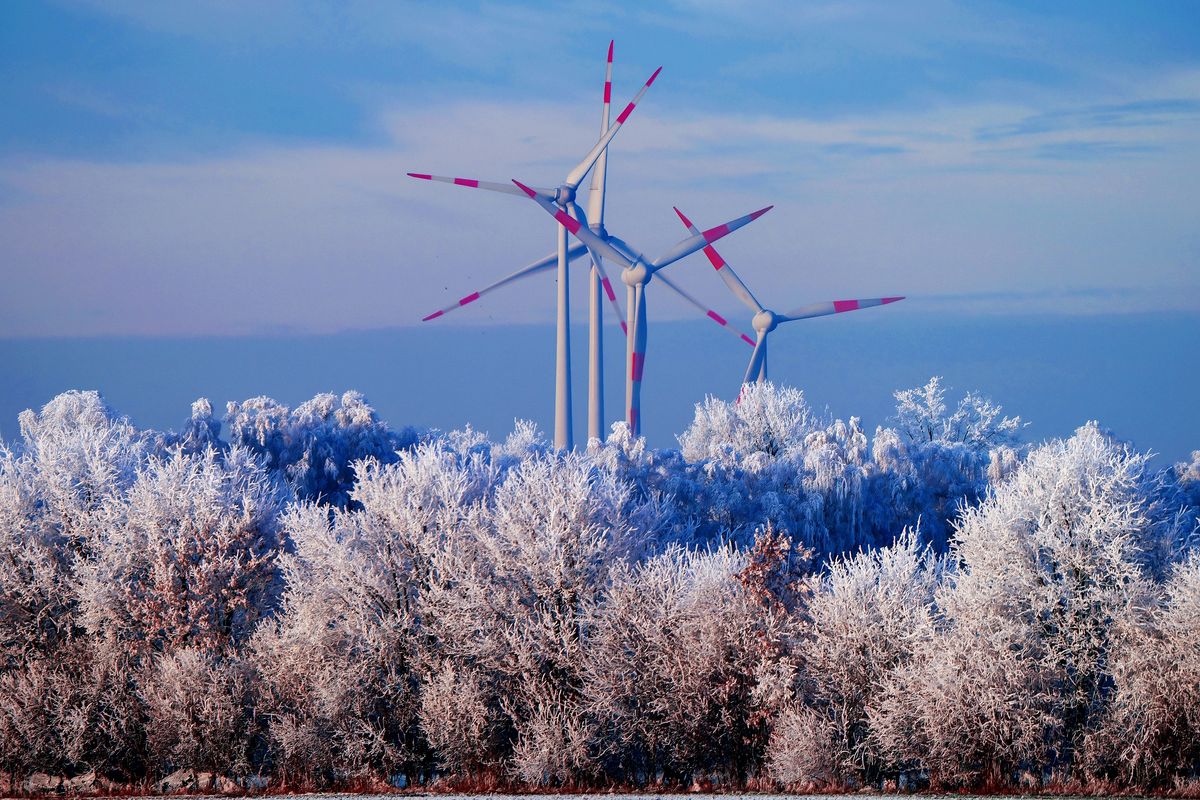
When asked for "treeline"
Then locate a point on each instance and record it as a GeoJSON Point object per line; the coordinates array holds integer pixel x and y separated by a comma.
{"type": "Point", "coordinates": [318, 600]}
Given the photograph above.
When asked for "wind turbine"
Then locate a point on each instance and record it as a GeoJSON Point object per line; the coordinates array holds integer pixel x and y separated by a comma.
{"type": "Point", "coordinates": [600, 283]}
{"type": "Point", "coordinates": [766, 320]}
{"type": "Point", "coordinates": [564, 196]}
{"type": "Point", "coordinates": [636, 274]}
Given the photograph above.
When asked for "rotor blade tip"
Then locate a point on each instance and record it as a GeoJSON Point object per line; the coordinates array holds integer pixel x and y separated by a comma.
{"type": "Point", "coordinates": [682, 217]}
{"type": "Point", "coordinates": [760, 212]}
{"type": "Point", "coordinates": [434, 315]}
{"type": "Point", "coordinates": [887, 300]}
{"type": "Point", "coordinates": [610, 49]}
{"type": "Point", "coordinates": [652, 77]}
{"type": "Point", "coordinates": [524, 188]}
{"type": "Point", "coordinates": [420, 176]}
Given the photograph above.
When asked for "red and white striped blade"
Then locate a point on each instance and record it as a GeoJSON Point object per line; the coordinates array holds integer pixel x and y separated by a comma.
{"type": "Point", "coordinates": [705, 310]}
{"type": "Point", "coordinates": [606, 285]}
{"type": "Point", "coordinates": [608, 82]}
{"type": "Point", "coordinates": [637, 364]}
{"type": "Point", "coordinates": [731, 279]}
{"type": "Point", "coordinates": [541, 265]}
{"type": "Point", "coordinates": [835, 307]}
{"type": "Point", "coordinates": [756, 360]}
{"type": "Point", "coordinates": [471, 183]}
{"type": "Point", "coordinates": [577, 228]}
{"type": "Point", "coordinates": [600, 173]}
{"type": "Point", "coordinates": [700, 240]}
{"type": "Point", "coordinates": [576, 175]}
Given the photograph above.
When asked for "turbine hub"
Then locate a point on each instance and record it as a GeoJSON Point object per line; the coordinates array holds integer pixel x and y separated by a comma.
{"type": "Point", "coordinates": [765, 321]}
{"type": "Point", "coordinates": [637, 274]}
{"type": "Point", "coordinates": [564, 195]}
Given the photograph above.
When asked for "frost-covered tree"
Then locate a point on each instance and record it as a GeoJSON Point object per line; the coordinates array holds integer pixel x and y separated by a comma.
{"type": "Point", "coordinates": [921, 418]}
{"type": "Point", "coordinates": [1152, 735]}
{"type": "Point", "coordinates": [509, 590]}
{"type": "Point", "coordinates": [322, 600]}
{"type": "Point", "coordinates": [315, 445]}
{"type": "Point", "coordinates": [672, 664]}
{"type": "Point", "coordinates": [65, 701]}
{"type": "Point", "coordinates": [197, 704]}
{"type": "Point", "coordinates": [867, 615]}
{"type": "Point", "coordinates": [202, 430]}
{"type": "Point", "coordinates": [190, 558]}
{"type": "Point", "coordinates": [765, 423]}
{"type": "Point", "coordinates": [767, 460]}
{"type": "Point", "coordinates": [1049, 566]}
{"type": "Point", "coordinates": [335, 666]}
{"type": "Point", "coordinates": [1188, 475]}
{"type": "Point", "coordinates": [934, 463]}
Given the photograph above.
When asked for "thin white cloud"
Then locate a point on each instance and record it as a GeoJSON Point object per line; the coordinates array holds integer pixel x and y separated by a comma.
{"type": "Point", "coordinates": [326, 238]}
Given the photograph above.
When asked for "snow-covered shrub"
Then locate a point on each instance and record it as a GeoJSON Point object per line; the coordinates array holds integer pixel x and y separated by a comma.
{"type": "Point", "coordinates": [73, 710]}
{"type": "Point", "coordinates": [335, 665]}
{"type": "Point", "coordinates": [867, 615]}
{"type": "Point", "coordinates": [1153, 734]}
{"type": "Point", "coordinates": [765, 423]}
{"type": "Point", "coordinates": [189, 559]}
{"type": "Point", "coordinates": [933, 464]}
{"type": "Point", "coordinates": [508, 590]}
{"type": "Point", "coordinates": [1049, 566]}
{"type": "Point", "coordinates": [970, 707]}
{"type": "Point", "coordinates": [459, 717]}
{"type": "Point", "coordinates": [671, 667]}
{"type": "Point", "coordinates": [197, 712]}
{"type": "Point", "coordinates": [801, 751]}
{"type": "Point", "coordinates": [315, 445]}
{"type": "Point", "coordinates": [37, 587]}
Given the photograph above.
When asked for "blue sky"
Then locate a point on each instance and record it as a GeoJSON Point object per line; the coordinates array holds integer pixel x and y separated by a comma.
{"type": "Point", "coordinates": [232, 168]}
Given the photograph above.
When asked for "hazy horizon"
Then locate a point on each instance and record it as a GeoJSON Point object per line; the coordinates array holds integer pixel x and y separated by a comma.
{"type": "Point", "coordinates": [849, 364]}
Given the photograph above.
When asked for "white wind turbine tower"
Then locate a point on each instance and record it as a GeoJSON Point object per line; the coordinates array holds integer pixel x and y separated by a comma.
{"type": "Point", "coordinates": [564, 196]}
{"type": "Point", "coordinates": [766, 320]}
{"type": "Point", "coordinates": [636, 273]}
{"type": "Point", "coordinates": [599, 281]}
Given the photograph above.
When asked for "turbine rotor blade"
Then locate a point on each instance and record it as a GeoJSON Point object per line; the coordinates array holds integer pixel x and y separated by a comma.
{"type": "Point", "coordinates": [577, 228]}
{"type": "Point", "coordinates": [606, 284]}
{"type": "Point", "coordinates": [541, 265]}
{"type": "Point", "coordinates": [731, 279]}
{"type": "Point", "coordinates": [638, 362]}
{"type": "Point", "coordinates": [705, 310]}
{"type": "Point", "coordinates": [756, 358]}
{"type": "Point", "coordinates": [471, 183]}
{"type": "Point", "coordinates": [835, 307]}
{"type": "Point", "coordinates": [600, 173]}
{"type": "Point", "coordinates": [576, 175]}
{"type": "Point", "coordinates": [698, 241]}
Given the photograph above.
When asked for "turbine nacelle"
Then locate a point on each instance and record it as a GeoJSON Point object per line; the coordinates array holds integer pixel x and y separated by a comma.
{"type": "Point", "coordinates": [765, 321]}
{"type": "Point", "coordinates": [564, 195]}
{"type": "Point", "coordinates": [638, 274]}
